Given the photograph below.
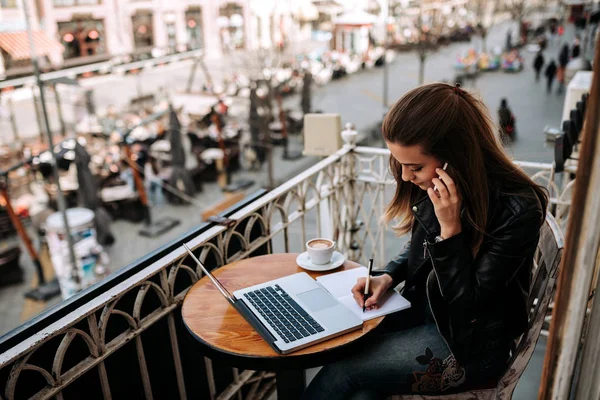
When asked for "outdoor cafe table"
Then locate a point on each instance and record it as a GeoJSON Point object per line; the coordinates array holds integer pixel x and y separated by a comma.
{"type": "Point", "coordinates": [224, 334]}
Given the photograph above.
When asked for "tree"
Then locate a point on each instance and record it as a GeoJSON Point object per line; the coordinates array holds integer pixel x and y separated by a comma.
{"type": "Point", "coordinates": [483, 9]}
{"type": "Point", "coordinates": [517, 10]}
{"type": "Point", "coordinates": [426, 41]}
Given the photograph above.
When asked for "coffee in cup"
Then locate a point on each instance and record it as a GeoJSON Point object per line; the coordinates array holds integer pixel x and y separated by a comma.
{"type": "Point", "coordinates": [320, 250]}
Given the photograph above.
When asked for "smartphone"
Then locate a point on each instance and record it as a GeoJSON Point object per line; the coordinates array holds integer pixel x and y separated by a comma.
{"type": "Point", "coordinates": [444, 168]}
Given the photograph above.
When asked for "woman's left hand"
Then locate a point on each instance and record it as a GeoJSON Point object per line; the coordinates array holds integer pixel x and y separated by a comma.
{"type": "Point", "coordinates": [446, 202]}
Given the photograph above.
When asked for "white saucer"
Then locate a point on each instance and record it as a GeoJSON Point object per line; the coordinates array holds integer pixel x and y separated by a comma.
{"type": "Point", "coordinates": [337, 259]}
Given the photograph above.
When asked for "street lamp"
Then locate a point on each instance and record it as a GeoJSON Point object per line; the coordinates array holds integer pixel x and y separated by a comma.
{"type": "Point", "coordinates": [385, 11]}
{"type": "Point", "coordinates": [59, 194]}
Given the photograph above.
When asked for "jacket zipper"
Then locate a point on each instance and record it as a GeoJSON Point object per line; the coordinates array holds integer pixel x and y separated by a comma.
{"type": "Point", "coordinates": [429, 300]}
{"type": "Point", "coordinates": [415, 272]}
{"type": "Point", "coordinates": [425, 252]}
{"type": "Point", "coordinates": [435, 319]}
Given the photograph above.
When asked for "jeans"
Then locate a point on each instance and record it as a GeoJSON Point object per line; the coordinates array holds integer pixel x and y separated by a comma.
{"type": "Point", "coordinates": [414, 360]}
{"type": "Point", "coordinates": [155, 193]}
{"type": "Point", "coordinates": [549, 86]}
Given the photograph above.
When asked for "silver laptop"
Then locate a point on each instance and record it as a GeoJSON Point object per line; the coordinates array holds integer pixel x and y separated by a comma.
{"type": "Point", "coordinates": [290, 313]}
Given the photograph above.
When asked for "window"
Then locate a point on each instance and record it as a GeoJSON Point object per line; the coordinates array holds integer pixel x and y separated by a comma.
{"type": "Point", "coordinates": [82, 38]}
{"type": "Point", "coordinates": [195, 35]}
{"type": "Point", "coordinates": [69, 3]}
{"type": "Point", "coordinates": [8, 3]}
{"type": "Point", "coordinates": [231, 27]}
{"type": "Point", "coordinates": [143, 30]}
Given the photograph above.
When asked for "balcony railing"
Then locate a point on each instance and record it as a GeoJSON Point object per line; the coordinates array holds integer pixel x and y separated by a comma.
{"type": "Point", "coordinates": [124, 336]}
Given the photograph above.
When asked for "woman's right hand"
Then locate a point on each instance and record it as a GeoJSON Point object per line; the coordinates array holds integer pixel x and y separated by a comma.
{"type": "Point", "coordinates": [378, 286]}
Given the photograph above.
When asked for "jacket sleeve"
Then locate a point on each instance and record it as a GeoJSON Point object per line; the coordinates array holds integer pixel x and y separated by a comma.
{"type": "Point", "coordinates": [396, 268]}
{"type": "Point", "coordinates": [469, 285]}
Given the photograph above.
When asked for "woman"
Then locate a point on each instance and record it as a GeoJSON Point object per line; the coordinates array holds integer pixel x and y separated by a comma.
{"type": "Point", "coordinates": [153, 182]}
{"type": "Point", "coordinates": [550, 75]}
{"type": "Point", "coordinates": [467, 267]}
{"type": "Point", "coordinates": [563, 60]}
{"type": "Point", "coordinates": [538, 63]}
{"type": "Point", "coordinates": [506, 122]}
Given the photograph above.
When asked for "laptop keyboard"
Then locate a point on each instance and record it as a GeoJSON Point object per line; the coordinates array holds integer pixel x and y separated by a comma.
{"type": "Point", "coordinates": [283, 314]}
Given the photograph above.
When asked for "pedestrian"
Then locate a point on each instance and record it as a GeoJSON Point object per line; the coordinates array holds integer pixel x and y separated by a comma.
{"type": "Point", "coordinates": [563, 56]}
{"type": "Point", "coordinates": [543, 42]}
{"type": "Point", "coordinates": [563, 60]}
{"type": "Point", "coordinates": [524, 31]}
{"type": "Point", "coordinates": [576, 47]}
{"type": "Point", "coordinates": [221, 108]}
{"type": "Point", "coordinates": [506, 122]}
{"type": "Point", "coordinates": [474, 220]}
{"type": "Point", "coordinates": [508, 40]}
{"type": "Point", "coordinates": [153, 182]}
{"type": "Point", "coordinates": [538, 63]}
{"type": "Point", "coordinates": [550, 74]}
{"type": "Point", "coordinates": [552, 33]}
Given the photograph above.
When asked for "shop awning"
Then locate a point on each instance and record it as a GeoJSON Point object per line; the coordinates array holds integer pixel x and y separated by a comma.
{"type": "Point", "coordinates": [16, 44]}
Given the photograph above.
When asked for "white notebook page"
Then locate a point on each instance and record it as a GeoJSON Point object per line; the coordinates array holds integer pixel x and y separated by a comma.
{"type": "Point", "coordinates": [340, 284]}
{"type": "Point", "coordinates": [393, 303]}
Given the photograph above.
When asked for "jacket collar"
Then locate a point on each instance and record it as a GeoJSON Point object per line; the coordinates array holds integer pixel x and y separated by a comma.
{"type": "Point", "coordinates": [424, 212]}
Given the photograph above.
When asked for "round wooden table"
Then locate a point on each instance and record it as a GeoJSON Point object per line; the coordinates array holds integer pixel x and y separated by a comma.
{"type": "Point", "coordinates": [225, 335]}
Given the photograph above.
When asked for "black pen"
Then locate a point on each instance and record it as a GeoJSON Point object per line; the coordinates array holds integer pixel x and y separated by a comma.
{"type": "Point", "coordinates": [366, 295]}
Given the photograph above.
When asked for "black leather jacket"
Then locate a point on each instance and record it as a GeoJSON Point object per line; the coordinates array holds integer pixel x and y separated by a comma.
{"type": "Point", "coordinates": [478, 304]}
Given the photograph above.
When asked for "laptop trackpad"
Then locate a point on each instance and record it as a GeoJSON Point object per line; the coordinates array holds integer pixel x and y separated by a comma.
{"type": "Point", "coordinates": [317, 299]}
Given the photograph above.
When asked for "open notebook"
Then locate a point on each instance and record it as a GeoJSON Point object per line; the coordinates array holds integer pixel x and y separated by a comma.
{"type": "Point", "coordinates": [340, 284]}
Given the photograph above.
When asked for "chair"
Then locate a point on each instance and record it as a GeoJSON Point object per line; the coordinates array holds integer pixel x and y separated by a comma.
{"type": "Point", "coordinates": [577, 121]}
{"type": "Point", "coordinates": [545, 274]}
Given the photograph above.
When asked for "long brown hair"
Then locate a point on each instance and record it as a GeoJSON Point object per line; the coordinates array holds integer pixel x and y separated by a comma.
{"type": "Point", "coordinates": [455, 127]}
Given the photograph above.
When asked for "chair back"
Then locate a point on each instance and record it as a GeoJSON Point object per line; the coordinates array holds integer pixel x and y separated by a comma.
{"type": "Point", "coordinates": [543, 285]}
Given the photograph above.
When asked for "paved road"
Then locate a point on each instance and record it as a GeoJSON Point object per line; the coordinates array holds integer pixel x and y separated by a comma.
{"type": "Point", "coordinates": [357, 98]}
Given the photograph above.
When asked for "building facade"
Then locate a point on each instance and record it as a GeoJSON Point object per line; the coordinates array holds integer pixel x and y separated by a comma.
{"type": "Point", "coordinates": [97, 30]}
{"type": "Point", "coordinates": [14, 50]}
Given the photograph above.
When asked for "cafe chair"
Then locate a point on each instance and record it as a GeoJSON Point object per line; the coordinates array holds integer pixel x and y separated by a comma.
{"type": "Point", "coordinates": [545, 274]}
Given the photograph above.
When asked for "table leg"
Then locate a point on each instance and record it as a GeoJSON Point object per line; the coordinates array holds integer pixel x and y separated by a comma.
{"type": "Point", "coordinates": [290, 384]}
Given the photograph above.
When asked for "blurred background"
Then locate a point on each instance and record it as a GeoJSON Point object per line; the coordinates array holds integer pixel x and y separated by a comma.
{"type": "Point", "coordinates": [161, 114]}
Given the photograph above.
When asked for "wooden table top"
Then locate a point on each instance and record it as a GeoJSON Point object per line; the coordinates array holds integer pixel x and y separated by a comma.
{"type": "Point", "coordinates": [213, 321]}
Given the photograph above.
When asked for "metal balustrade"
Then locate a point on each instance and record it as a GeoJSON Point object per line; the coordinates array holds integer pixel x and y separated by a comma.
{"type": "Point", "coordinates": [125, 337]}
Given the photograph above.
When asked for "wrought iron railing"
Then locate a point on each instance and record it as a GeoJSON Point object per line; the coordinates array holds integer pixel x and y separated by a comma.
{"type": "Point", "coordinates": [124, 336]}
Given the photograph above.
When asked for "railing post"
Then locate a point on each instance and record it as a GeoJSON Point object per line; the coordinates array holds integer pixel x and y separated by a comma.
{"type": "Point", "coordinates": [328, 211]}
{"type": "Point", "coordinates": [349, 210]}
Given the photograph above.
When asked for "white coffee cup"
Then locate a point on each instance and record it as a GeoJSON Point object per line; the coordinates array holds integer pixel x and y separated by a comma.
{"type": "Point", "coordinates": [320, 250]}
